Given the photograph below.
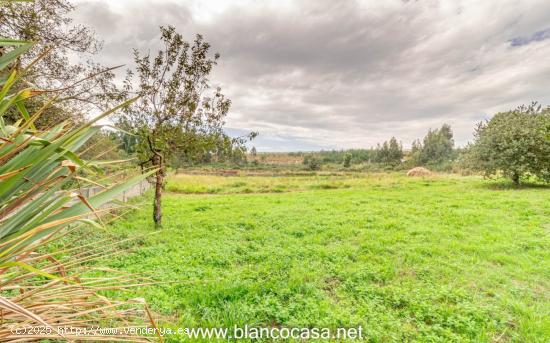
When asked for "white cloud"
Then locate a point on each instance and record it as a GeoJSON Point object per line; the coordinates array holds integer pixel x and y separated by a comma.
{"type": "Point", "coordinates": [350, 74]}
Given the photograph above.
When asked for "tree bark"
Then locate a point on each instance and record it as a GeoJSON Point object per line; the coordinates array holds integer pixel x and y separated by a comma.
{"type": "Point", "coordinates": [159, 185]}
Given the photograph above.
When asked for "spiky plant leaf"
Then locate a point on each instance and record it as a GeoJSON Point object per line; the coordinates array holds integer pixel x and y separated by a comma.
{"type": "Point", "coordinates": [40, 201]}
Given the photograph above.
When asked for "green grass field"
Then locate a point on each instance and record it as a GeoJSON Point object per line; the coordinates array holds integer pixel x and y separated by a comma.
{"type": "Point", "coordinates": [432, 260]}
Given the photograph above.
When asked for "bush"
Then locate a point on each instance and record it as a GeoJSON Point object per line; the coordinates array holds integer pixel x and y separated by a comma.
{"type": "Point", "coordinates": [347, 160]}
{"type": "Point", "coordinates": [312, 162]}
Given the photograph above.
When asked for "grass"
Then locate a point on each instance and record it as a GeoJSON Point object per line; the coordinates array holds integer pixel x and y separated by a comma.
{"type": "Point", "coordinates": [213, 184]}
{"type": "Point", "coordinates": [440, 259]}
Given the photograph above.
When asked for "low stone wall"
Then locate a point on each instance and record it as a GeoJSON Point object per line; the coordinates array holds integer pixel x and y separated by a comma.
{"type": "Point", "coordinates": [128, 194]}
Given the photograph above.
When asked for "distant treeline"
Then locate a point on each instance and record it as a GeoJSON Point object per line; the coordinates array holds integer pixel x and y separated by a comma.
{"type": "Point", "coordinates": [436, 150]}
{"type": "Point", "coordinates": [514, 143]}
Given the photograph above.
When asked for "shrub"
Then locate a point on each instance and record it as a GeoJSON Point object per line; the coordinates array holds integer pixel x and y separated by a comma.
{"type": "Point", "coordinates": [312, 163]}
{"type": "Point", "coordinates": [347, 160]}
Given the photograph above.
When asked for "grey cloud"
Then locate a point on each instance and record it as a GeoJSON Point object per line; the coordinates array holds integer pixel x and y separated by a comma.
{"type": "Point", "coordinates": [351, 73]}
{"type": "Point", "coordinates": [136, 27]}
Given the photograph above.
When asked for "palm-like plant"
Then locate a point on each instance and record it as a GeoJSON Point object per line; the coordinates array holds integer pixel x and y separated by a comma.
{"type": "Point", "coordinates": [38, 204]}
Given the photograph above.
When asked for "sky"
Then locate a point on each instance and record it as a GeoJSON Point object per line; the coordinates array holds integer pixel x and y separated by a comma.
{"type": "Point", "coordinates": [311, 75]}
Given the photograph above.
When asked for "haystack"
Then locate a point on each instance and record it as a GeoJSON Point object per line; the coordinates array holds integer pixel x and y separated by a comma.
{"type": "Point", "coordinates": [419, 171]}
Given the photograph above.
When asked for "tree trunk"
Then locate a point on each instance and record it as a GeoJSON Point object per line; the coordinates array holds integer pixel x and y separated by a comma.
{"type": "Point", "coordinates": [159, 185]}
{"type": "Point", "coordinates": [515, 178]}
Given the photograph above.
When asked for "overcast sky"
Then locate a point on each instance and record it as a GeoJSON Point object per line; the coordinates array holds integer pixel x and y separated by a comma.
{"type": "Point", "coordinates": [316, 74]}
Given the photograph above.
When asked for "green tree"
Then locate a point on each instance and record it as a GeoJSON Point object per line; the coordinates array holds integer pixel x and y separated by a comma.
{"type": "Point", "coordinates": [395, 151]}
{"type": "Point", "coordinates": [435, 148]}
{"type": "Point", "coordinates": [174, 113]}
{"type": "Point", "coordinates": [389, 153]}
{"type": "Point", "coordinates": [513, 143]}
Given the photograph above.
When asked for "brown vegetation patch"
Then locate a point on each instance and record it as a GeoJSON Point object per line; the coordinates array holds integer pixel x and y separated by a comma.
{"type": "Point", "coordinates": [419, 171]}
